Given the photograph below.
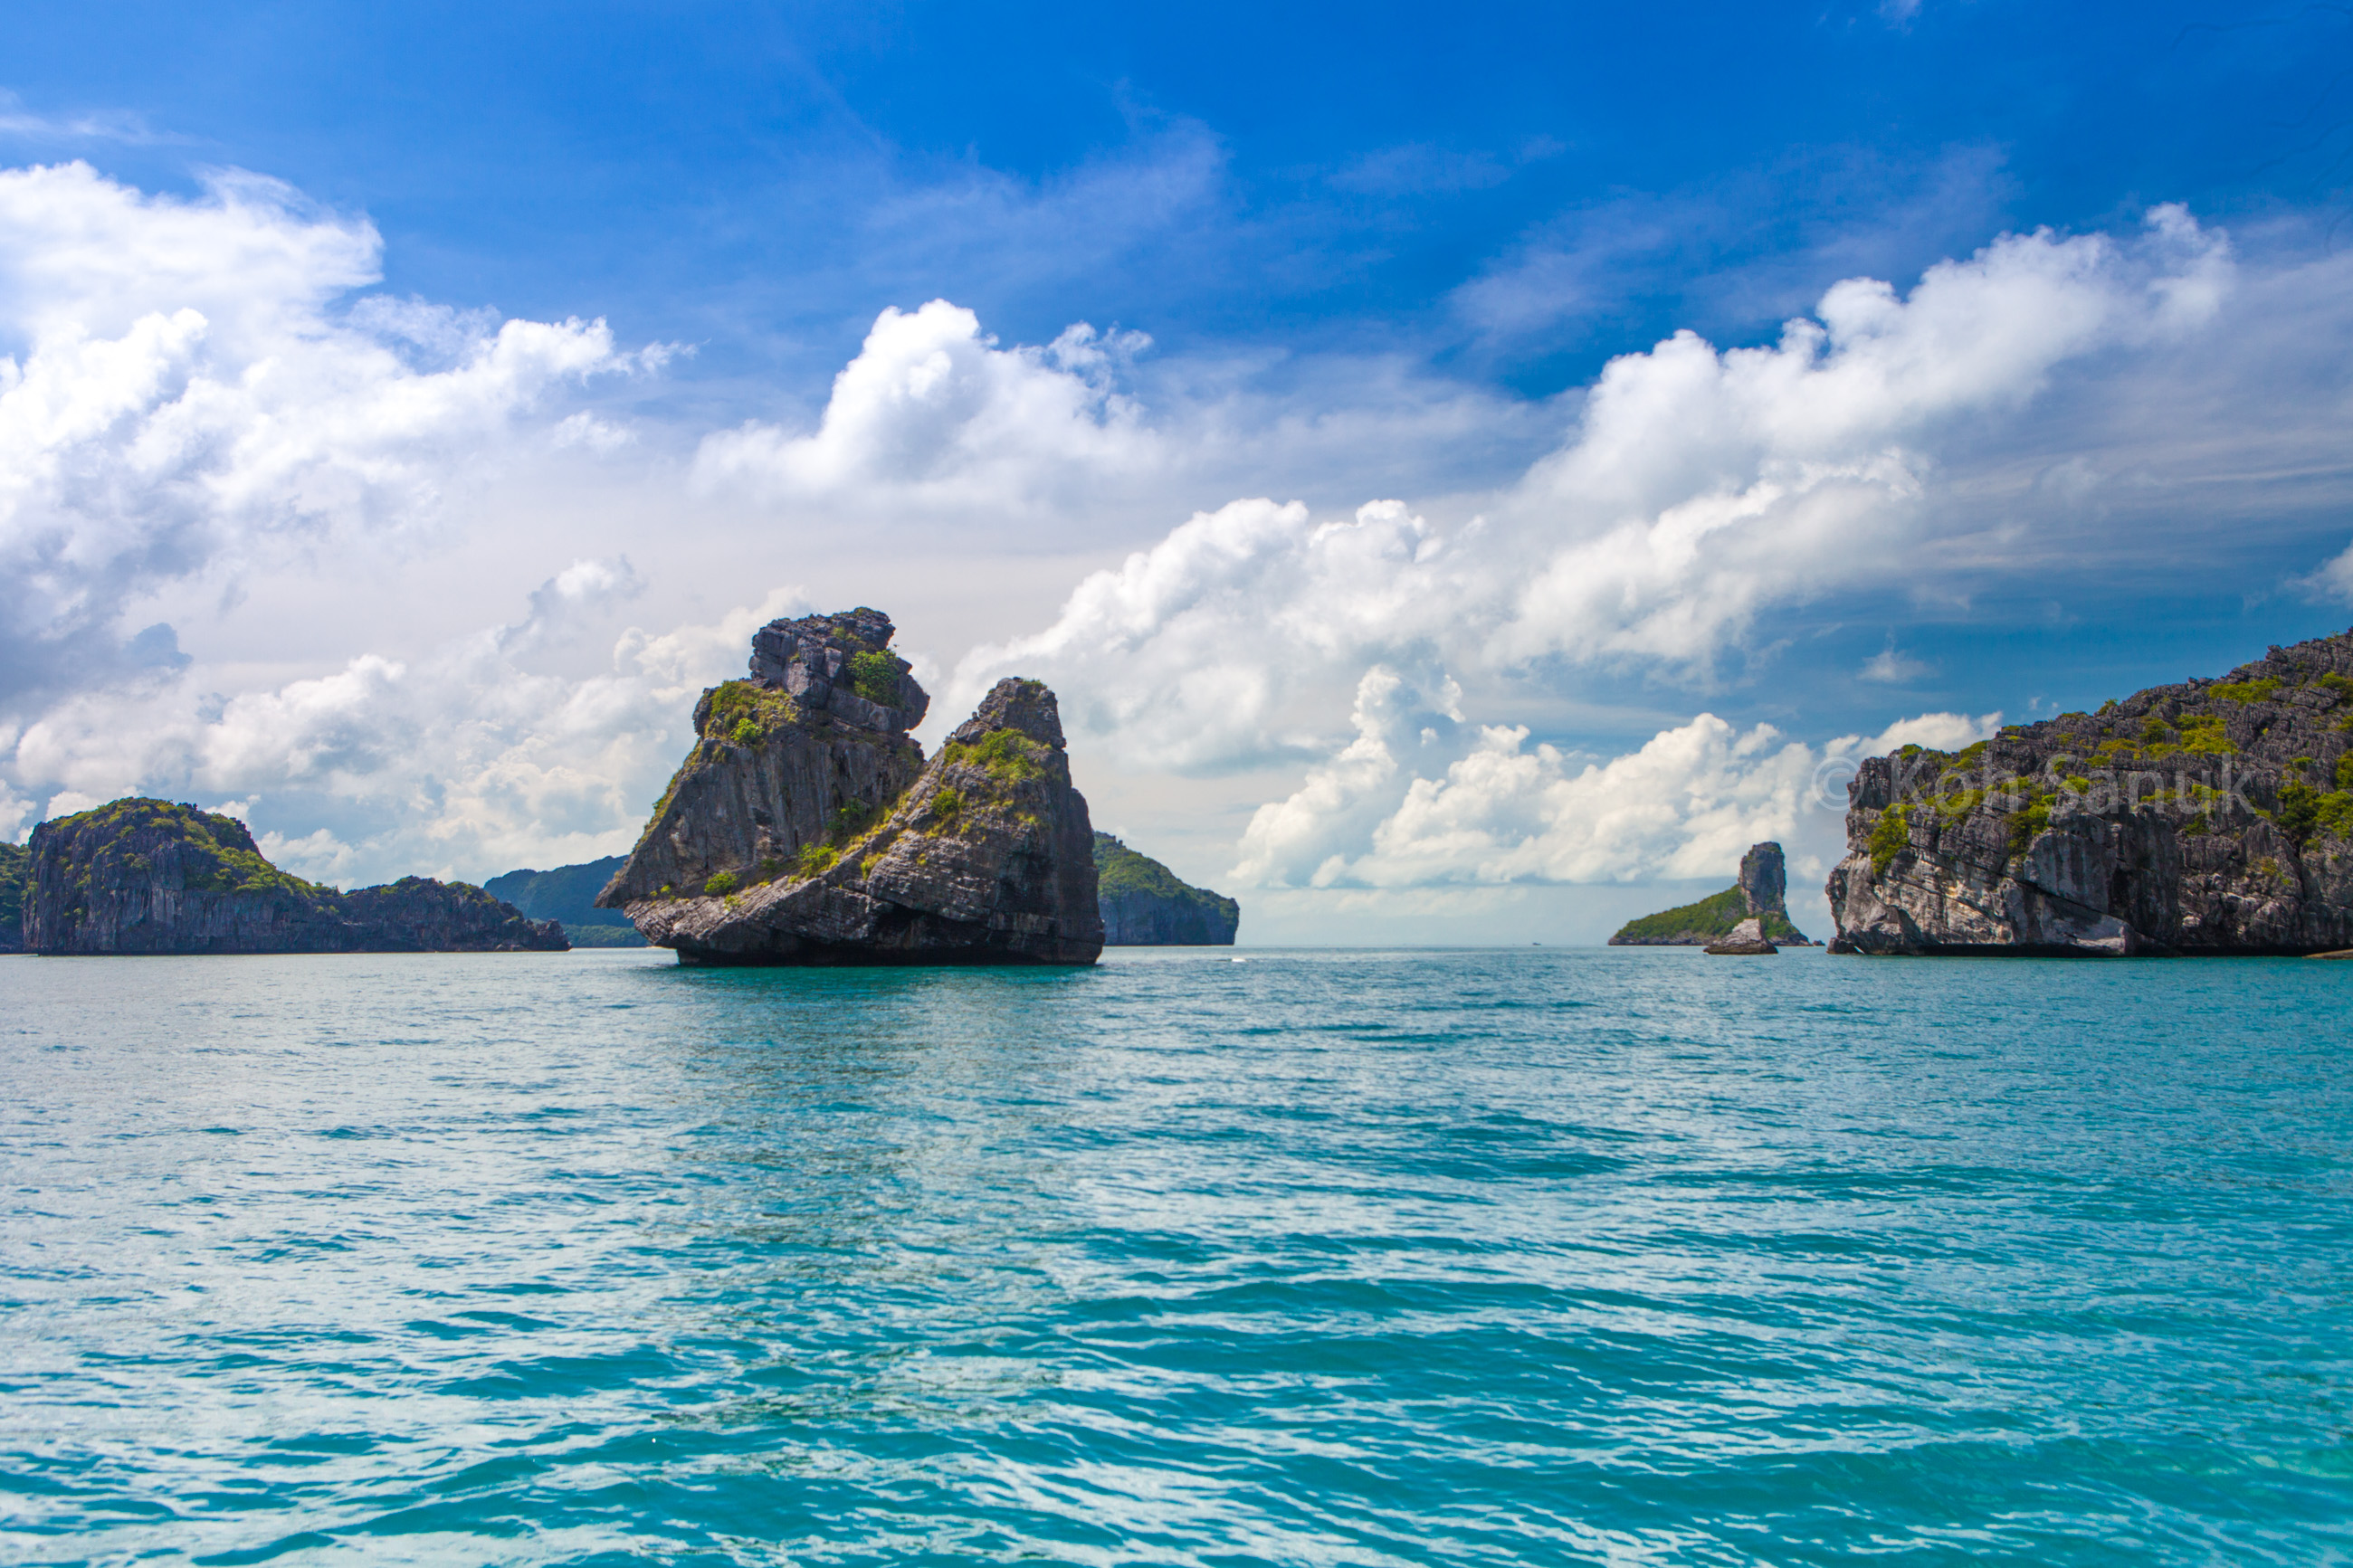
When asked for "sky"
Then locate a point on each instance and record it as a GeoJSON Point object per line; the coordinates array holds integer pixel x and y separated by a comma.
{"type": "Point", "coordinates": [1469, 471]}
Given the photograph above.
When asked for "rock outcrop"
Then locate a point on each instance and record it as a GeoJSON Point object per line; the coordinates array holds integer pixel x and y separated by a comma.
{"type": "Point", "coordinates": [1145, 904]}
{"type": "Point", "coordinates": [1761, 894]}
{"type": "Point", "coordinates": [144, 876]}
{"type": "Point", "coordinates": [13, 861]}
{"type": "Point", "coordinates": [806, 828]}
{"type": "Point", "coordinates": [567, 895]}
{"type": "Point", "coordinates": [2208, 817]}
{"type": "Point", "coordinates": [1746, 939]}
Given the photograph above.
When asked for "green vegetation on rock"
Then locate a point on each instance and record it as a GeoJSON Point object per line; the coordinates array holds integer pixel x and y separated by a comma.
{"type": "Point", "coordinates": [1890, 835]}
{"type": "Point", "coordinates": [1005, 755]}
{"type": "Point", "coordinates": [13, 864]}
{"type": "Point", "coordinates": [1714, 916]}
{"type": "Point", "coordinates": [1144, 903]}
{"type": "Point", "coordinates": [875, 677]}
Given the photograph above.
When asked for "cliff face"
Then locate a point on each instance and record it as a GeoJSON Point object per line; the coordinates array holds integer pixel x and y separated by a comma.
{"type": "Point", "coordinates": [788, 766]}
{"type": "Point", "coordinates": [147, 877]}
{"type": "Point", "coordinates": [806, 829]}
{"type": "Point", "coordinates": [13, 861]}
{"type": "Point", "coordinates": [2208, 817]}
{"type": "Point", "coordinates": [1761, 894]}
{"type": "Point", "coordinates": [1144, 903]}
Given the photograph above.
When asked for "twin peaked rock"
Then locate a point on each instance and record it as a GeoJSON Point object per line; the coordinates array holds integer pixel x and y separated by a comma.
{"type": "Point", "coordinates": [805, 827]}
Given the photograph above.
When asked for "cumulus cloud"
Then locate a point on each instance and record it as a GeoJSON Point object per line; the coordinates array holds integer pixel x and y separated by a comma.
{"type": "Point", "coordinates": [1700, 488]}
{"type": "Point", "coordinates": [178, 395]}
{"type": "Point", "coordinates": [1492, 809]}
{"type": "Point", "coordinates": [461, 761]}
{"type": "Point", "coordinates": [933, 414]}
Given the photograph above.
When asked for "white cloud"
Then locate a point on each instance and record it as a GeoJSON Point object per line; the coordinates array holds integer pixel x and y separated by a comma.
{"type": "Point", "coordinates": [1893, 667]}
{"type": "Point", "coordinates": [1700, 488]}
{"type": "Point", "coordinates": [1414, 801]}
{"type": "Point", "coordinates": [933, 414]}
{"type": "Point", "coordinates": [2333, 579]}
{"type": "Point", "coordinates": [461, 761]}
{"type": "Point", "coordinates": [178, 396]}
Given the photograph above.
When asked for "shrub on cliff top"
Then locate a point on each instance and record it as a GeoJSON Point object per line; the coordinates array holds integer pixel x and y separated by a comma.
{"type": "Point", "coordinates": [875, 677]}
{"type": "Point", "coordinates": [1004, 753]}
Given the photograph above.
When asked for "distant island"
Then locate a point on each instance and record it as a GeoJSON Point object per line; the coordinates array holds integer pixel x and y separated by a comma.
{"type": "Point", "coordinates": [140, 876]}
{"type": "Point", "coordinates": [567, 895]}
{"type": "Point", "coordinates": [1145, 904]}
{"type": "Point", "coordinates": [1761, 894]}
{"type": "Point", "coordinates": [2211, 817]}
{"type": "Point", "coordinates": [805, 827]}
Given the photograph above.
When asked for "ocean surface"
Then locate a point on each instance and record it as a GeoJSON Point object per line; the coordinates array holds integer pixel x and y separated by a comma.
{"type": "Point", "coordinates": [1523, 1256]}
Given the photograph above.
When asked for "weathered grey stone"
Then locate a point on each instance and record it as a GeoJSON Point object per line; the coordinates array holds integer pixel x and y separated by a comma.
{"type": "Point", "coordinates": [2210, 816]}
{"type": "Point", "coordinates": [1764, 881]}
{"type": "Point", "coordinates": [805, 833]}
{"type": "Point", "coordinates": [1746, 939]}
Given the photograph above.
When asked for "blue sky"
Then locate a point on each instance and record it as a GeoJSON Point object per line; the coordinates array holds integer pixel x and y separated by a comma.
{"type": "Point", "coordinates": [1378, 253]}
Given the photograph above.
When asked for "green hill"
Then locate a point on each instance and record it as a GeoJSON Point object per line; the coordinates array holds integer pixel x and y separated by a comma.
{"type": "Point", "coordinates": [567, 894]}
{"type": "Point", "coordinates": [1694, 925]}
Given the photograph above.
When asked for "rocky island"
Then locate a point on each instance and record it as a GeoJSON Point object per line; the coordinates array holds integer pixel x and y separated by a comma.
{"type": "Point", "coordinates": [805, 827]}
{"type": "Point", "coordinates": [2213, 816]}
{"type": "Point", "coordinates": [1145, 904]}
{"type": "Point", "coordinates": [1761, 896]}
{"type": "Point", "coordinates": [141, 876]}
{"type": "Point", "coordinates": [13, 860]}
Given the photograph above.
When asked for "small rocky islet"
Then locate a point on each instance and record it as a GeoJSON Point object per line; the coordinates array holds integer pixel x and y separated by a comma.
{"type": "Point", "coordinates": [805, 827]}
{"type": "Point", "coordinates": [1759, 898]}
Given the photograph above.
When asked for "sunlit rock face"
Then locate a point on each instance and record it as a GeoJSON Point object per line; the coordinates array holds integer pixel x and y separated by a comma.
{"type": "Point", "coordinates": [2208, 817]}
{"type": "Point", "coordinates": [807, 828]}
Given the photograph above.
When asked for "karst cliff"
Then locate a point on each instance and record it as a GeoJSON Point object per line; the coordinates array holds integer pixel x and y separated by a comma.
{"type": "Point", "coordinates": [1761, 894]}
{"type": "Point", "coordinates": [2208, 817]}
{"type": "Point", "coordinates": [805, 827]}
{"type": "Point", "coordinates": [141, 876]}
{"type": "Point", "coordinates": [1145, 904]}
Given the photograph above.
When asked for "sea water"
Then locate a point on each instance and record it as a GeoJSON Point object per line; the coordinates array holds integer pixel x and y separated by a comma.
{"type": "Point", "coordinates": [1205, 1257]}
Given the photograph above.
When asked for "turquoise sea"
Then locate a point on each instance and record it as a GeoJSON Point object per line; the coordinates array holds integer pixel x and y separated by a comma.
{"type": "Point", "coordinates": [1528, 1257]}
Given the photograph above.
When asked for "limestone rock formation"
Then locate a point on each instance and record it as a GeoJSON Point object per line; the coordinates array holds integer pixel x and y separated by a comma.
{"type": "Point", "coordinates": [806, 828]}
{"type": "Point", "coordinates": [144, 876]}
{"type": "Point", "coordinates": [1145, 904]}
{"type": "Point", "coordinates": [13, 861]}
{"type": "Point", "coordinates": [1746, 939]}
{"type": "Point", "coordinates": [1761, 894]}
{"type": "Point", "coordinates": [2213, 816]}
